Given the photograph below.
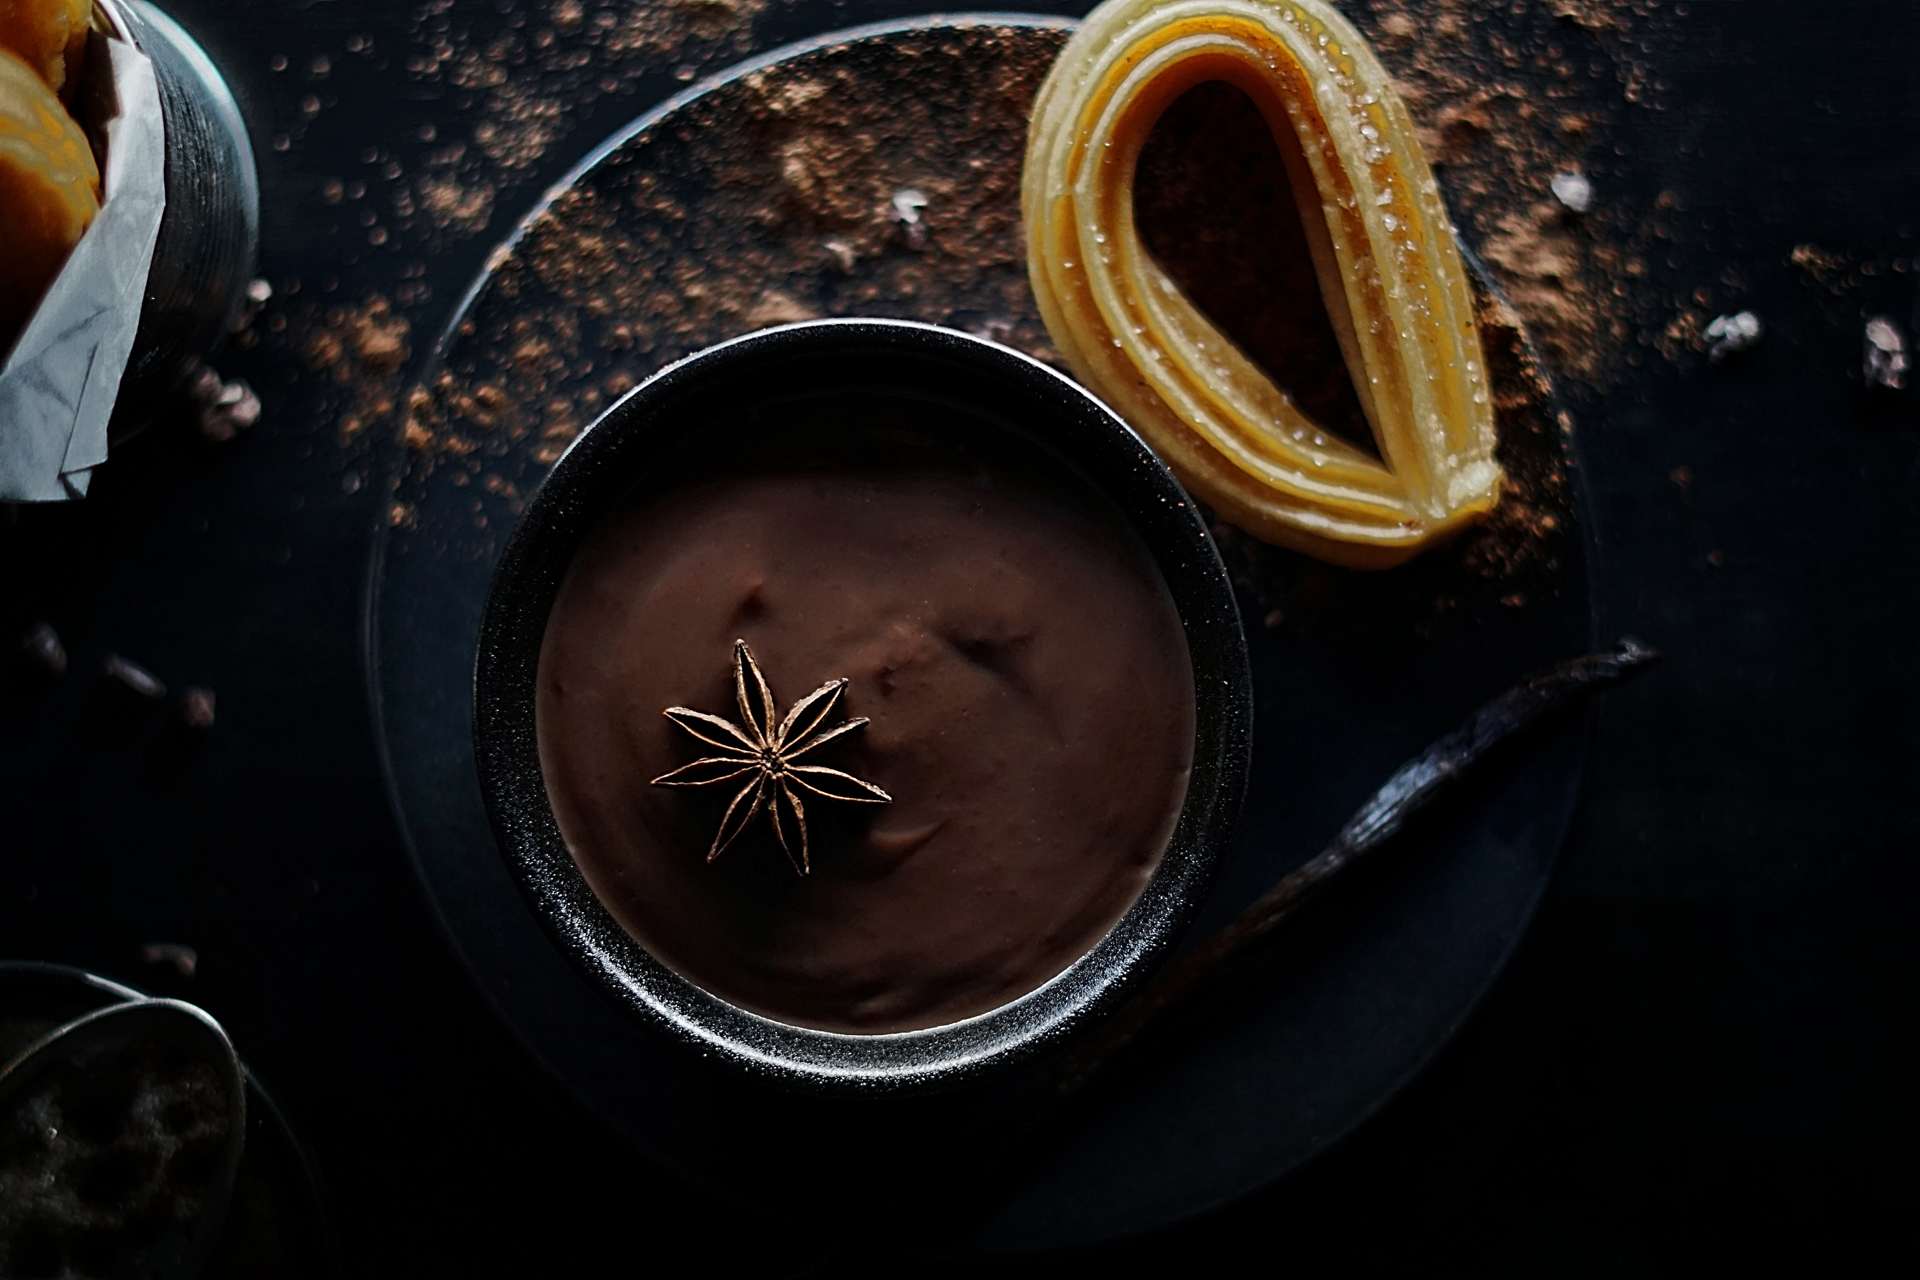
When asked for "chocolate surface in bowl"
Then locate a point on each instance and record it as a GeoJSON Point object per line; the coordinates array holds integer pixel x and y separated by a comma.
{"type": "Point", "coordinates": [964, 535]}
{"type": "Point", "coordinates": [1018, 655]}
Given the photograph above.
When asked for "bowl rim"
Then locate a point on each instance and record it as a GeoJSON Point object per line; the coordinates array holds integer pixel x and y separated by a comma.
{"type": "Point", "coordinates": [610, 457]}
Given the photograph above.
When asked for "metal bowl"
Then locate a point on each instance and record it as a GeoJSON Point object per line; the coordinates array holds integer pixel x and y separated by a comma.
{"type": "Point", "coordinates": [37, 999]}
{"type": "Point", "coordinates": [133, 1170]}
{"type": "Point", "coordinates": [276, 1220]}
{"type": "Point", "coordinates": [826, 358]}
{"type": "Point", "coordinates": [210, 233]}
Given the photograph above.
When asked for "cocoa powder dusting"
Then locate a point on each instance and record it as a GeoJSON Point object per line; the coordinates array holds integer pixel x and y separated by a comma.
{"type": "Point", "coordinates": [1507, 96]}
{"type": "Point", "coordinates": [1503, 108]}
{"type": "Point", "coordinates": [528, 80]}
{"type": "Point", "coordinates": [500, 88]}
{"type": "Point", "coordinates": [362, 350]}
{"type": "Point", "coordinates": [856, 180]}
{"type": "Point", "coordinates": [526, 84]}
{"type": "Point", "coordinates": [881, 178]}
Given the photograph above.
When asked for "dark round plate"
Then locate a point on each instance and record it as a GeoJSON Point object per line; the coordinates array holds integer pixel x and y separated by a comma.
{"type": "Point", "coordinates": [876, 173]}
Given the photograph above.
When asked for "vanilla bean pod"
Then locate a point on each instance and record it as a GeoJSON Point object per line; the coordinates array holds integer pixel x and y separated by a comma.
{"type": "Point", "coordinates": [1022, 1127]}
{"type": "Point", "coordinates": [1411, 788]}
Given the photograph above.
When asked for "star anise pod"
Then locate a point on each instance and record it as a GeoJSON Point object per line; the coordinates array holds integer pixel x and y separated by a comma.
{"type": "Point", "coordinates": [766, 756]}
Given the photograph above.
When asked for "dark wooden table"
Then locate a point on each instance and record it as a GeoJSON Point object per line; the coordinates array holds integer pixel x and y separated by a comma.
{"type": "Point", "coordinates": [1704, 1051]}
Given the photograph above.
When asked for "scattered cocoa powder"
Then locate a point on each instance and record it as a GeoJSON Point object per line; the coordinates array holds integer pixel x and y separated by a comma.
{"type": "Point", "coordinates": [1502, 108]}
{"type": "Point", "coordinates": [362, 349]}
{"type": "Point", "coordinates": [1827, 268]}
{"type": "Point", "coordinates": [780, 196]}
{"type": "Point", "coordinates": [527, 82]}
{"type": "Point", "coordinates": [1507, 95]}
{"type": "Point", "coordinates": [786, 195]}
{"type": "Point", "coordinates": [518, 79]}
{"type": "Point", "coordinates": [841, 184]}
{"type": "Point", "coordinates": [1594, 15]}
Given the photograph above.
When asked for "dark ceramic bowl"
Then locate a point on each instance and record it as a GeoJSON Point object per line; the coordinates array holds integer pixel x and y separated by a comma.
{"type": "Point", "coordinates": [829, 358]}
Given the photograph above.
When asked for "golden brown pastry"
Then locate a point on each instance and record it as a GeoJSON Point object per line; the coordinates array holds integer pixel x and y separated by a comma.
{"type": "Point", "coordinates": [47, 35]}
{"type": "Point", "coordinates": [49, 191]}
{"type": "Point", "coordinates": [1382, 246]}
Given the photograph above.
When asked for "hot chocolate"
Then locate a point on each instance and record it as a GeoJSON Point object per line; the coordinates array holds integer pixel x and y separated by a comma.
{"type": "Point", "coordinates": [1022, 666]}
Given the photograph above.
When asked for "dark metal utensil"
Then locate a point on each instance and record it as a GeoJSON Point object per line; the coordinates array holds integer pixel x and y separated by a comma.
{"type": "Point", "coordinates": [277, 1221]}
{"type": "Point", "coordinates": [120, 1135]}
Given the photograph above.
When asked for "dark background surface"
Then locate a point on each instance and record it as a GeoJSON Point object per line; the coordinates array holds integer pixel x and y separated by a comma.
{"type": "Point", "coordinates": [1704, 1051]}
